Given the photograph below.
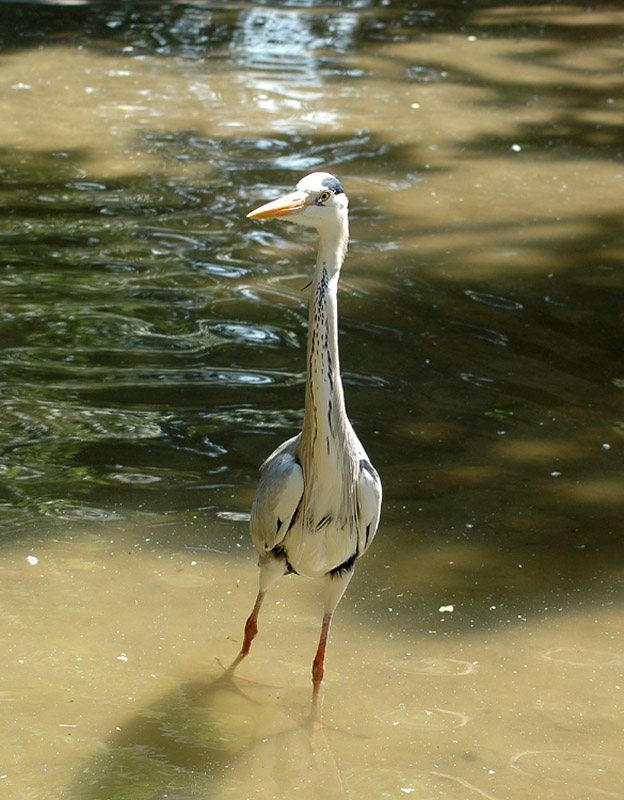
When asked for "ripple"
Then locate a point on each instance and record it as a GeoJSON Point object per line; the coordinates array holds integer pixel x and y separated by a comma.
{"type": "Point", "coordinates": [20, 472]}
{"type": "Point", "coordinates": [494, 300]}
{"type": "Point", "coordinates": [173, 240]}
{"type": "Point", "coordinates": [464, 783]}
{"type": "Point", "coordinates": [135, 478]}
{"type": "Point", "coordinates": [485, 334]}
{"type": "Point", "coordinates": [83, 339]}
{"type": "Point", "coordinates": [255, 334]}
{"type": "Point", "coordinates": [61, 376]}
{"type": "Point", "coordinates": [433, 719]}
{"type": "Point", "coordinates": [477, 380]}
{"type": "Point", "coordinates": [31, 421]}
{"type": "Point", "coordinates": [251, 420]}
{"type": "Point", "coordinates": [221, 270]}
{"type": "Point", "coordinates": [363, 380]}
{"type": "Point", "coordinates": [596, 772]}
{"type": "Point", "coordinates": [424, 665]}
{"type": "Point", "coordinates": [86, 186]}
{"type": "Point", "coordinates": [234, 516]}
{"type": "Point", "coordinates": [70, 511]}
{"type": "Point", "coordinates": [579, 657]}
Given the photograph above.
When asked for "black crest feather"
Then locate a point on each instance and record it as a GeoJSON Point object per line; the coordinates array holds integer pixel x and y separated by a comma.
{"type": "Point", "coordinates": [333, 184]}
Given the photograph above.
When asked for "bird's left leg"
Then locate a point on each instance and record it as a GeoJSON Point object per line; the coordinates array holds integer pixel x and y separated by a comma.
{"type": "Point", "coordinates": [335, 586]}
{"type": "Point", "coordinates": [318, 665]}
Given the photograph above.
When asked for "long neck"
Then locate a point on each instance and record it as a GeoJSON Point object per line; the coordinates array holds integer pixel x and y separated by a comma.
{"type": "Point", "coordinates": [325, 413]}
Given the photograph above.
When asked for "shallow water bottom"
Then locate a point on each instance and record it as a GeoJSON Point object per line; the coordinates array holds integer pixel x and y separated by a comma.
{"type": "Point", "coordinates": [113, 657]}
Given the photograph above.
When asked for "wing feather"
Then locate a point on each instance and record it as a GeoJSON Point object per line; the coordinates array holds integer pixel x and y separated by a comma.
{"type": "Point", "coordinates": [369, 499]}
{"type": "Point", "coordinates": [278, 496]}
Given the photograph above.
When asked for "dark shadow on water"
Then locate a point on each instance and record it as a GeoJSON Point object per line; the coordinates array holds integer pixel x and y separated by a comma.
{"type": "Point", "coordinates": [190, 743]}
{"type": "Point", "coordinates": [180, 746]}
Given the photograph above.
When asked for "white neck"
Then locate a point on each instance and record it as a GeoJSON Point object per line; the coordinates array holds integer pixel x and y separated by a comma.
{"type": "Point", "coordinates": [332, 247]}
{"type": "Point", "coordinates": [325, 412]}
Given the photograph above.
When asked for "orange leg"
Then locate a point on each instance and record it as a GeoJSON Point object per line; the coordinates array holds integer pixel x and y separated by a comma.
{"type": "Point", "coordinates": [251, 629]}
{"type": "Point", "coordinates": [318, 665]}
{"type": "Point", "coordinates": [318, 672]}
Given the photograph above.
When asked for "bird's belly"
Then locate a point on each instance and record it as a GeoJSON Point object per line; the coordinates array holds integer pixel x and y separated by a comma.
{"type": "Point", "coordinates": [314, 553]}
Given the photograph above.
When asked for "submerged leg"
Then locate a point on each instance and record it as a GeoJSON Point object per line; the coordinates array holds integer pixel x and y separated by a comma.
{"type": "Point", "coordinates": [335, 586]}
{"type": "Point", "coordinates": [318, 665]}
{"type": "Point", "coordinates": [271, 569]}
{"type": "Point", "coordinates": [251, 629]}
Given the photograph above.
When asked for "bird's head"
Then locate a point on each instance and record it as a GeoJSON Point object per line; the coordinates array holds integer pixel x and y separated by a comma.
{"type": "Point", "coordinates": [319, 201]}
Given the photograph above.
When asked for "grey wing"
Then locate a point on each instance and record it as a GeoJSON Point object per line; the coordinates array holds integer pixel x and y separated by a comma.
{"type": "Point", "coordinates": [369, 499]}
{"type": "Point", "coordinates": [277, 497]}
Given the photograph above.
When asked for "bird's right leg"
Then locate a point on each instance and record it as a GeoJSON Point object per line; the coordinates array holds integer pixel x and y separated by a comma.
{"type": "Point", "coordinates": [251, 629]}
{"type": "Point", "coordinates": [271, 569]}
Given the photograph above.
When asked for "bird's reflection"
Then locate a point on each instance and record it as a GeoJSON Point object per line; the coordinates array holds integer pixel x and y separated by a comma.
{"type": "Point", "coordinates": [208, 737]}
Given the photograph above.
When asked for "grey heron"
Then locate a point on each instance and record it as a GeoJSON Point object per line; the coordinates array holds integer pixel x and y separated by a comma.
{"type": "Point", "coordinates": [318, 501]}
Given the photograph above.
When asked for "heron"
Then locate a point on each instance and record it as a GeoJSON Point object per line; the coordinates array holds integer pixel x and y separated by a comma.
{"type": "Point", "coordinates": [318, 501]}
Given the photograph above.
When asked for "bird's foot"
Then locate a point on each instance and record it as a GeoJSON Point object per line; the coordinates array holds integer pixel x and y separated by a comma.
{"type": "Point", "coordinates": [317, 723]}
{"type": "Point", "coordinates": [231, 681]}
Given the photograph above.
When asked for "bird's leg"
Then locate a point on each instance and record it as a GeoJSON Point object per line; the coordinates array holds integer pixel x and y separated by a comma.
{"type": "Point", "coordinates": [335, 585]}
{"type": "Point", "coordinates": [318, 665]}
{"type": "Point", "coordinates": [251, 626]}
{"type": "Point", "coordinates": [251, 629]}
{"type": "Point", "coordinates": [318, 672]}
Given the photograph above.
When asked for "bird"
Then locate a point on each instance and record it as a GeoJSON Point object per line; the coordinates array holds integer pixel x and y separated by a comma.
{"type": "Point", "coordinates": [318, 502]}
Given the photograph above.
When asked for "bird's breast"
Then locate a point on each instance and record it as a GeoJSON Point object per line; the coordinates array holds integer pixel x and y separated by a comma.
{"type": "Point", "coordinates": [324, 534]}
{"type": "Point", "coordinates": [315, 549]}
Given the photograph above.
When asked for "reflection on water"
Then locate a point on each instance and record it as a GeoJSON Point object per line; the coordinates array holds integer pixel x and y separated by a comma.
{"type": "Point", "coordinates": [152, 344]}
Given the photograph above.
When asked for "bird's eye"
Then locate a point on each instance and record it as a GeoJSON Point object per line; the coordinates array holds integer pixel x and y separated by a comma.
{"type": "Point", "coordinates": [324, 196]}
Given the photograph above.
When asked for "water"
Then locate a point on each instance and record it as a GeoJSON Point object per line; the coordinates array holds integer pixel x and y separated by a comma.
{"type": "Point", "coordinates": [152, 345]}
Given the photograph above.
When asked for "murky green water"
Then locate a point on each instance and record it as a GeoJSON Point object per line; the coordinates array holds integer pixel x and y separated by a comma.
{"type": "Point", "coordinates": [152, 354]}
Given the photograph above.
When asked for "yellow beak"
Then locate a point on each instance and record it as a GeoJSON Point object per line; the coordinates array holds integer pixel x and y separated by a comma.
{"type": "Point", "coordinates": [282, 207]}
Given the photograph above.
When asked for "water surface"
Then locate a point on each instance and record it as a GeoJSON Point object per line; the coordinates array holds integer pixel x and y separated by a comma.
{"type": "Point", "coordinates": [152, 352]}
